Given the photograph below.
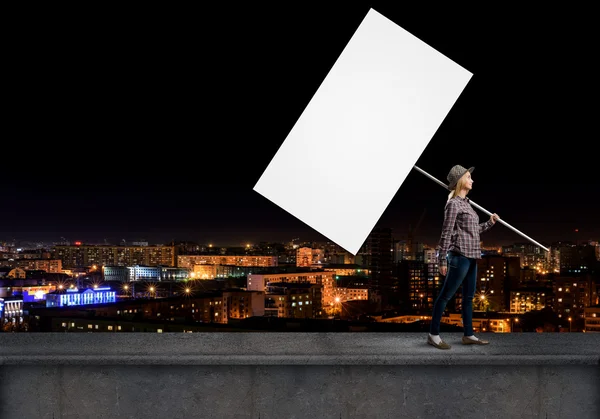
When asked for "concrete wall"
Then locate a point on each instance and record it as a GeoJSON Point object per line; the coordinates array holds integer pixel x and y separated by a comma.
{"type": "Point", "coordinates": [297, 375]}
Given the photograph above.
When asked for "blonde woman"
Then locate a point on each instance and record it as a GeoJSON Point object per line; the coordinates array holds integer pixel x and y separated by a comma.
{"type": "Point", "coordinates": [457, 253]}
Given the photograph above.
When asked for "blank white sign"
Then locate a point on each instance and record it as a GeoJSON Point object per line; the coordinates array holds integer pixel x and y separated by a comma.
{"type": "Point", "coordinates": [362, 132]}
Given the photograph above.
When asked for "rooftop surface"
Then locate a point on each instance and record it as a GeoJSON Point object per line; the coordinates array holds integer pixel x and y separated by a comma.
{"type": "Point", "coordinates": [296, 348]}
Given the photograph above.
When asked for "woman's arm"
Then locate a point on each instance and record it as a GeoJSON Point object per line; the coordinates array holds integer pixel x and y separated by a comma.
{"type": "Point", "coordinates": [483, 227]}
{"type": "Point", "coordinates": [450, 213]}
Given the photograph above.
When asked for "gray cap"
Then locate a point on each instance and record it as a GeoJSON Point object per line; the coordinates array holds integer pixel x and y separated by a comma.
{"type": "Point", "coordinates": [455, 174]}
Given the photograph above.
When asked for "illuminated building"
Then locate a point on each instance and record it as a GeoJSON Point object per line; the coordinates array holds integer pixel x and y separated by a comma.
{"type": "Point", "coordinates": [572, 296]}
{"type": "Point", "coordinates": [77, 297]}
{"type": "Point", "coordinates": [17, 273]}
{"type": "Point", "coordinates": [47, 265]}
{"type": "Point", "coordinates": [293, 300]}
{"type": "Point", "coordinates": [307, 257]}
{"type": "Point", "coordinates": [189, 261]}
{"type": "Point", "coordinates": [346, 269]}
{"type": "Point", "coordinates": [523, 300]}
{"type": "Point", "coordinates": [144, 273]}
{"type": "Point", "coordinates": [592, 319]}
{"type": "Point", "coordinates": [80, 255]}
{"type": "Point", "coordinates": [259, 282]}
{"type": "Point", "coordinates": [11, 310]}
{"type": "Point", "coordinates": [33, 293]}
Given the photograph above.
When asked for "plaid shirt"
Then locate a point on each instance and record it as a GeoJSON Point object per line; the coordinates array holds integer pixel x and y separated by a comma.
{"type": "Point", "coordinates": [461, 230]}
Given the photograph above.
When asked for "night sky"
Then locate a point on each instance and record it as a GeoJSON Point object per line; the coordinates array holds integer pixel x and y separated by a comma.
{"type": "Point", "coordinates": [156, 124]}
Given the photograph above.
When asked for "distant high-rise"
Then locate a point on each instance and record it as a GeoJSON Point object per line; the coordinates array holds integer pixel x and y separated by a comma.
{"type": "Point", "coordinates": [376, 255]}
{"type": "Point", "coordinates": [419, 282]}
{"type": "Point", "coordinates": [573, 294]}
{"type": "Point", "coordinates": [577, 260]}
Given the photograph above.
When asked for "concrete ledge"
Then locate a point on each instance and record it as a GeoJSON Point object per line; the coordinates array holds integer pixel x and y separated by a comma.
{"type": "Point", "coordinates": [294, 349]}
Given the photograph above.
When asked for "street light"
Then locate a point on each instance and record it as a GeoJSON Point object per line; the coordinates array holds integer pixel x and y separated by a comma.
{"type": "Point", "coordinates": [569, 325]}
{"type": "Point", "coordinates": [482, 300]}
{"type": "Point", "coordinates": [512, 320]}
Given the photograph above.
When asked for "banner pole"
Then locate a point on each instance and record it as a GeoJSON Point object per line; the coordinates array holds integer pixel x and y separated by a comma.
{"type": "Point", "coordinates": [484, 210]}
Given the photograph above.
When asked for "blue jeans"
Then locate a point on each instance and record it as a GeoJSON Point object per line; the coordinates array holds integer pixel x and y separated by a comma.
{"type": "Point", "coordinates": [461, 270]}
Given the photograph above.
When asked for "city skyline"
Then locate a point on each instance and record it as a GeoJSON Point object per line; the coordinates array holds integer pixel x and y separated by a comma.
{"type": "Point", "coordinates": [30, 245]}
{"type": "Point", "coordinates": [159, 165]}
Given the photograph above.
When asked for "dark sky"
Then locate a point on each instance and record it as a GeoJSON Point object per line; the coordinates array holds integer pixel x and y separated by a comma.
{"type": "Point", "coordinates": [156, 124]}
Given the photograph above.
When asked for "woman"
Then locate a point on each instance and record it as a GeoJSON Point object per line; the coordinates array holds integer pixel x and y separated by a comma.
{"type": "Point", "coordinates": [458, 251]}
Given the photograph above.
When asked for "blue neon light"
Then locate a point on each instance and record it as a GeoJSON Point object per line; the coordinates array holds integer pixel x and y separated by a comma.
{"type": "Point", "coordinates": [81, 297]}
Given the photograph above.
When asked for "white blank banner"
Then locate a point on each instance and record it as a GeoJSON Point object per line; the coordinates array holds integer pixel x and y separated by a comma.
{"type": "Point", "coordinates": [363, 131]}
